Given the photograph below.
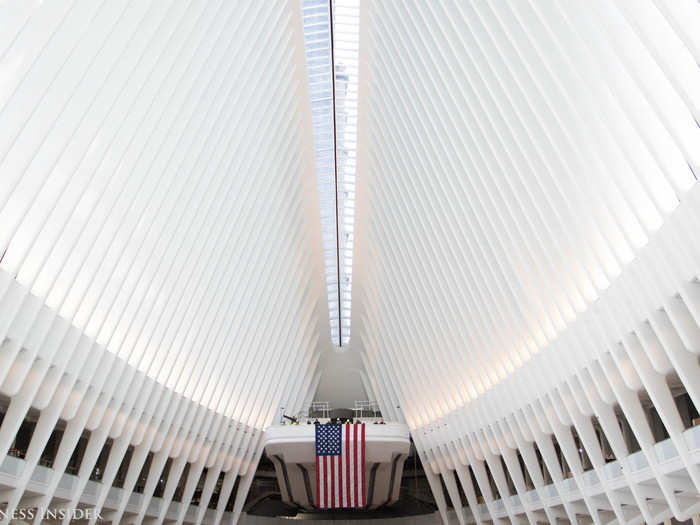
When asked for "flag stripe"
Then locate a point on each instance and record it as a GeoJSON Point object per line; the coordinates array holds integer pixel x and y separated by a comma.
{"type": "Point", "coordinates": [351, 463]}
{"type": "Point", "coordinates": [346, 429]}
{"type": "Point", "coordinates": [325, 472]}
{"type": "Point", "coordinates": [343, 484]}
{"type": "Point", "coordinates": [362, 466]}
{"type": "Point", "coordinates": [318, 475]}
{"type": "Point", "coordinates": [333, 504]}
{"type": "Point", "coordinates": [337, 481]}
{"type": "Point", "coordinates": [354, 463]}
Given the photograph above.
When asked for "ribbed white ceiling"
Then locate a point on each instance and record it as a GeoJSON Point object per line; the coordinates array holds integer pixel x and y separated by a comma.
{"type": "Point", "coordinates": [522, 251]}
{"type": "Point", "coordinates": [515, 158]}
{"type": "Point", "coordinates": [158, 189]}
{"type": "Point", "coordinates": [526, 290]}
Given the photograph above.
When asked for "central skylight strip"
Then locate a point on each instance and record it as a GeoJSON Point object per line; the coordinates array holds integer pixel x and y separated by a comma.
{"type": "Point", "coordinates": [335, 138]}
{"type": "Point", "coordinates": [346, 36]}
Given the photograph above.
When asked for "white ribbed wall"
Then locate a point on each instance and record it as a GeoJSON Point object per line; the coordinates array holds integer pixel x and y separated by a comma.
{"type": "Point", "coordinates": [527, 244]}
{"type": "Point", "coordinates": [160, 252]}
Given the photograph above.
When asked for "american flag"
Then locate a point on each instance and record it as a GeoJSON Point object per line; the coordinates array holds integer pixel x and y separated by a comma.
{"type": "Point", "coordinates": [340, 466]}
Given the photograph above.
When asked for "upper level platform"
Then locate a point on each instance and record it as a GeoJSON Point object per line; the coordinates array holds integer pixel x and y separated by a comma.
{"type": "Point", "coordinates": [292, 450]}
{"type": "Point", "coordinates": [295, 443]}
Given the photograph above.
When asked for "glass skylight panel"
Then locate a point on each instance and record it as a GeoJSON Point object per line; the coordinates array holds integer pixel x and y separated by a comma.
{"type": "Point", "coordinates": [335, 139]}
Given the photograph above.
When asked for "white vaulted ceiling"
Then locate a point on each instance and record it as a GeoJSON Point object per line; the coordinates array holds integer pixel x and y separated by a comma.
{"type": "Point", "coordinates": [517, 159]}
{"type": "Point", "coordinates": [160, 247]}
{"type": "Point", "coordinates": [502, 206]}
{"type": "Point", "coordinates": [527, 213]}
{"type": "Point", "coordinates": [157, 190]}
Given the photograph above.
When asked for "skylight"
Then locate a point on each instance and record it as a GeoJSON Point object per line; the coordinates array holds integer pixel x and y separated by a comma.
{"type": "Point", "coordinates": [334, 118]}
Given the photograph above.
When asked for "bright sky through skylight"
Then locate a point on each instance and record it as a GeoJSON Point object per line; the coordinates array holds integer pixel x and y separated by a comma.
{"type": "Point", "coordinates": [337, 204]}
